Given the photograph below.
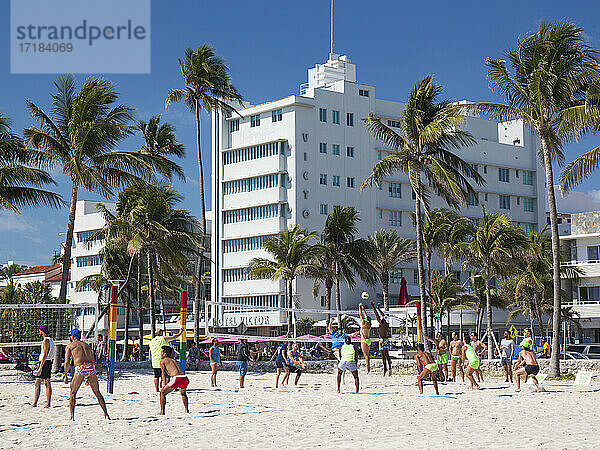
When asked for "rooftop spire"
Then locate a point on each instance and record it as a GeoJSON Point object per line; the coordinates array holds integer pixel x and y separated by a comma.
{"type": "Point", "coordinates": [331, 31]}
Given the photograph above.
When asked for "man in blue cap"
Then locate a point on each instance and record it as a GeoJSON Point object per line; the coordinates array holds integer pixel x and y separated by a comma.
{"type": "Point", "coordinates": [83, 362]}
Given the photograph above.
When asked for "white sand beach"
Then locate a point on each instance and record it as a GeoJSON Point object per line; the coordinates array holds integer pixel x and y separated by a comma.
{"type": "Point", "coordinates": [387, 413]}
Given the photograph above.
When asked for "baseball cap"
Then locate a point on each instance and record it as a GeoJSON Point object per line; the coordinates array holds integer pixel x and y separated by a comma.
{"type": "Point", "coordinates": [75, 332]}
{"type": "Point", "coordinates": [44, 328]}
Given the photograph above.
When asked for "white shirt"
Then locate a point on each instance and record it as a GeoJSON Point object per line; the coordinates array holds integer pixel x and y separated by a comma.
{"type": "Point", "coordinates": [51, 349]}
{"type": "Point", "coordinates": [507, 350]}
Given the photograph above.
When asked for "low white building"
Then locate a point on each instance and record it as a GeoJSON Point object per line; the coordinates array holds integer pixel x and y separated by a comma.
{"type": "Point", "coordinates": [583, 245]}
{"type": "Point", "coordinates": [50, 274]}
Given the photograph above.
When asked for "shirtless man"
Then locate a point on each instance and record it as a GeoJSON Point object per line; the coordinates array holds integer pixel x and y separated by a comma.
{"type": "Point", "coordinates": [480, 349]}
{"type": "Point", "coordinates": [170, 368]}
{"type": "Point", "coordinates": [384, 343]}
{"type": "Point", "coordinates": [365, 333]}
{"type": "Point", "coordinates": [442, 352]}
{"type": "Point", "coordinates": [426, 366]}
{"type": "Point", "coordinates": [456, 346]}
{"type": "Point", "coordinates": [470, 360]}
{"type": "Point", "coordinates": [530, 366]}
{"type": "Point", "coordinates": [84, 363]}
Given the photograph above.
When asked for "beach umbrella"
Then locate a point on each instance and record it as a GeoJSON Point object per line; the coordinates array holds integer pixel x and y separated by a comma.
{"type": "Point", "coordinates": [403, 296]}
{"type": "Point", "coordinates": [308, 336]}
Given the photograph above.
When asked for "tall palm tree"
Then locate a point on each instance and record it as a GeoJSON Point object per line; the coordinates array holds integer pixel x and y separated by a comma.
{"type": "Point", "coordinates": [493, 249]}
{"type": "Point", "coordinates": [476, 299]}
{"type": "Point", "coordinates": [207, 88]}
{"type": "Point", "coordinates": [20, 180]}
{"type": "Point", "coordinates": [292, 254]}
{"type": "Point", "coordinates": [552, 69]}
{"type": "Point", "coordinates": [347, 255]}
{"type": "Point", "coordinates": [389, 251]}
{"type": "Point", "coordinates": [160, 142]}
{"type": "Point", "coordinates": [446, 294]}
{"type": "Point", "coordinates": [423, 149]}
{"type": "Point", "coordinates": [79, 136]}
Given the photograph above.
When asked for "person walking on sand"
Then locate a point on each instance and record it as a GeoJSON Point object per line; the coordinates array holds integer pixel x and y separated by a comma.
{"type": "Point", "coordinates": [84, 364]}
{"type": "Point", "coordinates": [365, 335]}
{"type": "Point", "coordinates": [100, 353]}
{"type": "Point", "coordinates": [507, 349]}
{"type": "Point", "coordinates": [456, 346]}
{"type": "Point", "coordinates": [470, 360]}
{"type": "Point", "coordinates": [348, 361]}
{"type": "Point", "coordinates": [527, 366]}
{"type": "Point", "coordinates": [426, 366]}
{"type": "Point", "coordinates": [441, 346]}
{"type": "Point", "coordinates": [384, 343]}
{"type": "Point", "coordinates": [170, 370]}
{"type": "Point", "coordinates": [156, 344]}
{"type": "Point", "coordinates": [214, 356]}
{"type": "Point", "coordinates": [242, 360]}
{"type": "Point", "coordinates": [281, 357]}
{"type": "Point", "coordinates": [44, 372]}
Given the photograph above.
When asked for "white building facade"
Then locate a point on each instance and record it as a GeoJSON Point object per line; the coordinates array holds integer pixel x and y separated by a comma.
{"type": "Point", "coordinates": [291, 161]}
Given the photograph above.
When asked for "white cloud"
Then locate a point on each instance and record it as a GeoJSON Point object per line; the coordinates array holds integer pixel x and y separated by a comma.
{"type": "Point", "coordinates": [595, 194]}
{"type": "Point", "coordinates": [14, 223]}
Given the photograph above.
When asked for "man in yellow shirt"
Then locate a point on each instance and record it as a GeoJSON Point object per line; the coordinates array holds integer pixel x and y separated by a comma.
{"type": "Point", "coordinates": [156, 345]}
{"type": "Point", "coordinates": [546, 349]}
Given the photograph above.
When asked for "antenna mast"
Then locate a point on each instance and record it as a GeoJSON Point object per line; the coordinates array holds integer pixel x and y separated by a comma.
{"type": "Point", "coordinates": [331, 31]}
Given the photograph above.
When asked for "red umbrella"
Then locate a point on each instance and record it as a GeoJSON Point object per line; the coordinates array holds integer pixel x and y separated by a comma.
{"type": "Point", "coordinates": [308, 336]}
{"type": "Point", "coordinates": [403, 296]}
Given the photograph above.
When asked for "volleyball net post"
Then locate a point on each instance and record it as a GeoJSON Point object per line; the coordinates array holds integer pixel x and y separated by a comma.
{"type": "Point", "coordinates": [112, 342]}
{"type": "Point", "coordinates": [183, 337]}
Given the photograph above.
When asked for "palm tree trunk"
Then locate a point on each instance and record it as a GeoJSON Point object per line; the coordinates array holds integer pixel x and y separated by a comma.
{"type": "Point", "coordinates": [66, 262]}
{"type": "Point", "coordinates": [419, 226]}
{"type": "Point", "coordinates": [200, 258]}
{"type": "Point", "coordinates": [448, 325]}
{"type": "Point", "coordinates": [554, 369]}
{"type": "Point", "coordinates": [338, 301]}
{"type": "Point", "coordinates": [488, 302]}
{"type": "Point", "coordinates": [290, 300]}
{"type": "Point", "coordinates": [328, 288]}
{"type": "Point", "coordinates": [429, 288]}
{"type": "Point", "coordinates": [140, 307]}
{"type": "Point", "coordinates": [164, 319]}
{"type": "Point", "coordinates": [385, 283]}
{"type": "Point", "coordinates": [126, 326]}
{"type": "Point", "coordinates": [151, 295]}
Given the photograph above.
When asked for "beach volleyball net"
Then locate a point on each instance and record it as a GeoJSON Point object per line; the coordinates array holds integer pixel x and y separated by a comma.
{"type": "Point", "coordinates": [20, 323]}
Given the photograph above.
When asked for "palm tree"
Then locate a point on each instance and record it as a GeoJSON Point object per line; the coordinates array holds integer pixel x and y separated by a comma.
{"type": "Point", "coordinates": [208, 87]}
{"type": "Point", "coordinates": [571, 317]}
{"type": "Point", "coordinates": [79, 136]}
{"type": "Point", "coordinates": [476, 299]}
{"type": "Point", "coordinates": [347, 255]}
{"type": "Point", "coordinates": [292, 254]}
{"type": "Point", "coordinates": [552, 69]}
{"type": "Point", "coordinates": [160, 142]}
{"type": "Point", "coordinates": [9, 271]}
{"type": "Point", "coordinates": [388, 251]}
{"type": "Point", "coordinates": [446, 294]}
{"type": "Point", "coordinates": [492, 251]}
{"type": "Point", "coordinates": [20, 183]}
{"type": "Point", "coordinates": [423, 150]}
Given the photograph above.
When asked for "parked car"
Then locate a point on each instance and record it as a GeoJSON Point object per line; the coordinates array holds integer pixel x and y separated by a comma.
{"type": "Point", "coordinates": [591, 351]}
{"type": "Point", "coordinates": [573, 355]}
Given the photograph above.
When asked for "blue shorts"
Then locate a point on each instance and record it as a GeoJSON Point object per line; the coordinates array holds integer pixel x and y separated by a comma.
{"type": "Point", "coordinates": [242, 366]}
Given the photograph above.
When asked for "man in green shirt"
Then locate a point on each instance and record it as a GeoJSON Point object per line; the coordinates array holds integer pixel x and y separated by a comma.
{"type": "Point", "coordinates": [348, 360]}
{"type": "Point", "coordinates": [156, 345]}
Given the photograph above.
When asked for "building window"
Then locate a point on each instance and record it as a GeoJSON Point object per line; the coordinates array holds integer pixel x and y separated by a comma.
{"type": "Point", "coordinates": [503, 174]}
{"type": "Point", "coordinates": [238, 274]}
{"type": "Point", "coordinates": [323, 114]}
{"type": "Point", "coordinates": [380, 213]}
{"type": "Point", "coordinates": [528, 204]}
{"type": "Point", "coordinates": [254, 152]}
{"type": "Point", "coordinates": [323, 209]}
{"type": "Point", "coordinates": [395, 218]}
{"type": "Point", "coordinates": [253, 213]}
{"type": "Point", "coordinates": [323, 301]}
{"type": "Point", "coordinates": [245, 244]}
{"type": "Point", "coordinates": [276, 115]}
{"type": "Point", "coordinates": [517, 173]}
{"type": "Point", "coordinates": [350, 152]}
{"type": "Point", "coordinates": [335, 181]}
{"type": "Point", "coordinates": [473, 199]}
{"type": "Point", "coordinates": [253, 184]}
{"type": "Point", "coordinates": [90, 235]}
{"type": "Point", "coordinates": [395, 190]}
{"type": "Point", "coordinates": [484, 169]}
{"type": "Point", "coordinates": [393, 123]}
{"type": "Point", "coordinates": [485, 197]}
{"type": "Point", "coordinates": [350, 119]}
{"type": "Point", "coordinates": [87, 261]}
{"type": "Point", "coordinates": [528, 177]}
{"type": "Point", "coordinates": [335, 149]}
{"type": "Point", "coordinates": [589, 293]}
{"type": "Point", "coordinates": [504, 202]}
{"type": "Point", "coordinates": [415, 276]}
{"type": "Point", "coordinates": [305, 156]}
{"type": "Point", "coordinates": [475, 169]}
{"type": "Point", "coordinates": [396, 276]}
{"type": "Point", "coordinates": [323, 178]}
{"type": "Point", "coordinates": [323, 147]}
{"type": "Point", "coordinates": [593, 253]}
{"type": "Point", "coordinates": [518, 200]}
{"type": "Point", "coordinates": [255, 121]}
{"type": "Point", "coordinates": [350, 182]}
{"type": "Point", "coordinates": [335, 117]}
{"type": "Point", "coordinates": [363, 92]}
{"type": "Point", "coordinates": [234, 125]}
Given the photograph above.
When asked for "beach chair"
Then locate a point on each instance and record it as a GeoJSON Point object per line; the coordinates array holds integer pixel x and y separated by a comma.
{"type": "Point", "coordinates": [24, 370]}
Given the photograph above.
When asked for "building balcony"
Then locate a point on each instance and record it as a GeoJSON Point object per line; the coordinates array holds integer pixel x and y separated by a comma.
{"type": "Point", "coordinates": [588, 268]}
{"type": "Point", "coordinates": [255, 198]}
{"type": "Point", "coordinates": [251, 287]}
{"type": "Point", "coordinates": [254, 227]}
{"type": "Point", "coordinates": [588, 309]}
{"type": "Point", "coordinates": [255, 167]}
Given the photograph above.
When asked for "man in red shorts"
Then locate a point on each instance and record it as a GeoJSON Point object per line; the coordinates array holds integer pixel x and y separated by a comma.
{"type": "Point", "coordinates": [170, 368]}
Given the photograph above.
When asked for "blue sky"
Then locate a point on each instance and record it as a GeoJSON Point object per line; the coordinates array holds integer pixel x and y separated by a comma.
{"type": "Point", "coordinates": [268, 46]}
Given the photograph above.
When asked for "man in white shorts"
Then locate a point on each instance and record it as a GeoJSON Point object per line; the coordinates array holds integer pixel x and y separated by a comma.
{"type": "Point", "coordinates": [348, 360]}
